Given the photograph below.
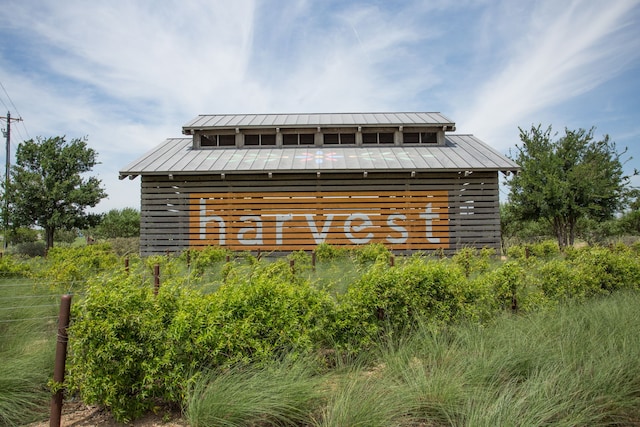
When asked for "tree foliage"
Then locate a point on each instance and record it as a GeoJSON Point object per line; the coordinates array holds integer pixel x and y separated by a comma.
{"type": "Point", "coordinates": [564, 180]}
{"type": "Point", "coordinates": [48, 188]}
{"type": "Point", "coordinates": [119, 223]}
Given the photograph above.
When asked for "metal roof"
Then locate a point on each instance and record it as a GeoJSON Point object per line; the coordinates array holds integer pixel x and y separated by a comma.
{"type": "Point", "coordinates": [232, 121]}
{"type": "Point", "coordinates": [459, 153]}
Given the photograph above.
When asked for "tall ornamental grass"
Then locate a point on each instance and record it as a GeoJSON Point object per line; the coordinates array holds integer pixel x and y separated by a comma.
{"type": "Point", "coordinates": [27, 344]}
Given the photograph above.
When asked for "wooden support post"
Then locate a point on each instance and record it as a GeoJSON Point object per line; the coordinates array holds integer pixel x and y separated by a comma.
{"type": "Point", "coordinates": [59, 364]}
{"type": "Point", "coordinates": [292, 266]}
{"type": "Point", "coordinates": [392, 261]}
{"type": "Point", "coordinates": [156, 279]}
{"type": "Point", "coordinates": [313, 260]}
{"type": "Point", "coordinates": [126, 265]}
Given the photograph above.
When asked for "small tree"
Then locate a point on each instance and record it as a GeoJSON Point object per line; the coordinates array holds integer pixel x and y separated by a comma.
{"type": "Point", "coordinates": [47, 186]}
{"type": "Point", "coordinates": [119, 223]}
{"type": "Point", "coordinates": [562, 181]}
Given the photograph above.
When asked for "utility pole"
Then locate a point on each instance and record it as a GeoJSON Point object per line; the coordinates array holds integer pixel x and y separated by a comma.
{"type": "Point", "coordinates": [5, 214]}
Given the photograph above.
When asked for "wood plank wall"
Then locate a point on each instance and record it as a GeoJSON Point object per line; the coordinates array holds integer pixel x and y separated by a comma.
{"type": "Point", "coordinates": [468, 213]}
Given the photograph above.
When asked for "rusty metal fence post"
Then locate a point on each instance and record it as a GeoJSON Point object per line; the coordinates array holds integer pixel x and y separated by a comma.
{"type": "Point", "coordinates": [59, 364]}
{"type": "Point", "coordinates": [156, 279]}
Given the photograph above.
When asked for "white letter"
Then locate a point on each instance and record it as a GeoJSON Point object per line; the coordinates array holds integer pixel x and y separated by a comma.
{"type": "Point", "coordinates": [428, 216]}
{"type": "Point", "coordinates": [257, 230]}
{"type": "Point", "coordinates": [280, 219]}
{"type": "Point", "coordinates": [366, 223]}
{"type": "Point", "coordinates": [204, 219]}
{"type": "Point", "coordinates": [319, 237]}
{"type": "Point", "coordinates": [404, 234]}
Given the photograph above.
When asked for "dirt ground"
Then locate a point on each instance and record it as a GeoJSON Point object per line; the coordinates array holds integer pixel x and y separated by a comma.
{"type": "Point", "coordinates": [77, 414]}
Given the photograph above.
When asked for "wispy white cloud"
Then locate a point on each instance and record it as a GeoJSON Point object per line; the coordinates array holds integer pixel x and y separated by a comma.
{"type": "Point", "coordinates": [559, 51]}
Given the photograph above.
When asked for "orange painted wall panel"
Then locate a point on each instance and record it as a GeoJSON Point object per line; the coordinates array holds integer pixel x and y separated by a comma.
{"type": "Point", "coordinates": [302, 220]}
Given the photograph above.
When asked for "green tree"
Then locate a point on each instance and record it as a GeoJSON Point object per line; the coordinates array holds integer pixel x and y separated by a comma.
{"type": "Point", "coordinates": [119, 223]}
{"type": "Point", "coordinates": [561, 181]}
{"type": "Point", "coordinates": [48, 187]}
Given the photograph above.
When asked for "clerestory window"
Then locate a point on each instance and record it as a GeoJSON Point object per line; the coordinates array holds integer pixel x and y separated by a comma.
{"type": "Point", "coordinates": [217, 140]}
{"type": "Point", "coordinates": [377, 137]}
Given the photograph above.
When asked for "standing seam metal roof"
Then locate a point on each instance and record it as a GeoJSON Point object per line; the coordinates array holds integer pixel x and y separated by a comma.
{"type": "Point", "coordinates": [460, 152]}
{"type": "Point", "coordinates": [222, 121]}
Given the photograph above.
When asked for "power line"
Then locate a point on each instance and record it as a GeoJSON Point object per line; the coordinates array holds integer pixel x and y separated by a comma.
{"type": "Point", "coordinates": [16, 110]}
{"type": "Point", "coordinates": [6, 107]}
{"type": "Point", "coordinates": [10, 100]}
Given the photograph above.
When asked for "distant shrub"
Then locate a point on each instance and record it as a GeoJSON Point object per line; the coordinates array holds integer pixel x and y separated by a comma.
{"type": "Point", "coordinates": [23, 235]}
{"type": "Point", "coordinates": [516, 252]}
{"type": "Point", "coordinates": [545, 249]}
{"type": "Point", "coordinates": [65, 236]}
{"type": "Point", "coordinates": [123, 246]}
{"type": "Point", "coordinates": [30, 249]}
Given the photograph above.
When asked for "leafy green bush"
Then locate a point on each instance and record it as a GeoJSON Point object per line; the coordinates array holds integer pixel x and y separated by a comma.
{"type": "Point", "coordinates": [258, 319]}
{"type": "Point", "coordinates": [605, 270]}
{"type": "Point", "coordinates": [117, 345]}
{"type": "Point", "coordinates": [472, 260]}
{"type": "Point", "coordinates": [545, 249]}
{"type": "Point", "coordinates": [13, 267]}
{"type": "Point", "coordinates": [130, 348]}
{"type": "Point", "coordinates": [326, 252]}
{"type": "Point", "coordinates": [68, 268]}
{"type": "Point", "coordinates": [372, 252]}
{"type": "Point", "coordinates": [202, 259]}
{"type": "Point", "coordinates": [394, 296]}
{"type": "Point", "coordinates": [510, 289]}
{"type": "Point", "coordinates": [559, 280]}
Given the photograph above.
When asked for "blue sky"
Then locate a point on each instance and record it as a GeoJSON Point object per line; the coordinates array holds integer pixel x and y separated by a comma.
{"type": "Point", "coordinates": [129, 74]}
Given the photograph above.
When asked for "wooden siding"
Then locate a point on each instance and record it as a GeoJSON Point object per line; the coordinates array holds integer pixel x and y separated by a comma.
{"type": "Point", "coordinates": [465, 210]}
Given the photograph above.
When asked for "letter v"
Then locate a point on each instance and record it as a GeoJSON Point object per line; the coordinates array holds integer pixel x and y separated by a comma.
{"type": "Point", "coordinates": [319, 237]}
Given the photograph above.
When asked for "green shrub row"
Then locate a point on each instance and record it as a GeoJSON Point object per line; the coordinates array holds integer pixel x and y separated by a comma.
{"type": "Point", "coordinates": [130, 349]}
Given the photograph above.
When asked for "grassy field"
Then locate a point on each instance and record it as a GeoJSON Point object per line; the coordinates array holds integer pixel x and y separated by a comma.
{"type": "Point", "coordinates": [576, 365]}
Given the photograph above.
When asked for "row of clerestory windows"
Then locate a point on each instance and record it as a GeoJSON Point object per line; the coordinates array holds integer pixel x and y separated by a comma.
{"type": "Point", "coordinates": [293, 139]}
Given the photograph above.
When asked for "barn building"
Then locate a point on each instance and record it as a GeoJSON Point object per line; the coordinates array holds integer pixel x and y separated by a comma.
{"type": "Point", "coordinates": [283, 182]}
